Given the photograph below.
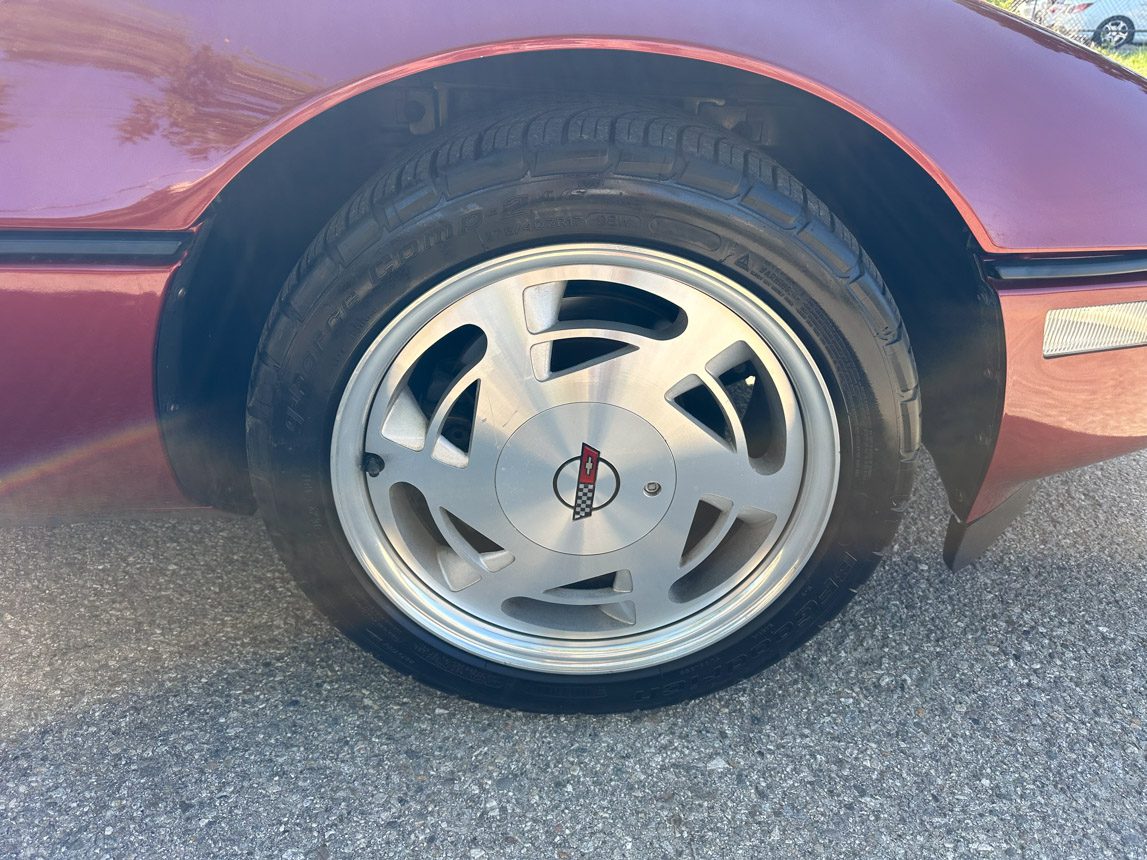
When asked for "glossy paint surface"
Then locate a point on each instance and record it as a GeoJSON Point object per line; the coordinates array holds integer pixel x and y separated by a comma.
{"type": "Point", "coordinates": [79, 435]}
{"type": "Point", "coordinates": [1062, 413]}
{"type": "Point", "coordinates": [124, 114]}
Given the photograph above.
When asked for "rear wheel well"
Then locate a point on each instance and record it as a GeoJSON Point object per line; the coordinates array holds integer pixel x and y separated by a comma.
{"type": "Point", "coordinates": [264, 219]}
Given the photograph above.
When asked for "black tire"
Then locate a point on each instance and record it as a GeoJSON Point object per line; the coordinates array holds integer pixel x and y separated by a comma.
{"type": "Point", "coordinates": [1127, 38]}
{"type": "Point", "coordinates": [675, 183]}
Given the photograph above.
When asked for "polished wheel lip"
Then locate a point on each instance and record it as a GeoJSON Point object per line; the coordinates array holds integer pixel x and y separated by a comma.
{"type": "Point", "coordinates": [389, 572]}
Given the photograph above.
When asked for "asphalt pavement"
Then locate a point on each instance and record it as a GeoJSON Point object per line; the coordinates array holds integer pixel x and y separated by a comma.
{"type": "Point", "coordinates": [166, 692]}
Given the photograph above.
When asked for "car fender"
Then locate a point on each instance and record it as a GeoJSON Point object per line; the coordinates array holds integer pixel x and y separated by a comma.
{"type": "Point", "coordinates": [118, 116]}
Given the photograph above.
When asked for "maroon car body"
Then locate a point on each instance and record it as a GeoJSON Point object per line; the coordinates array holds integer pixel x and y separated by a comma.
{"type": "Point", "coordinates": [126, 127]}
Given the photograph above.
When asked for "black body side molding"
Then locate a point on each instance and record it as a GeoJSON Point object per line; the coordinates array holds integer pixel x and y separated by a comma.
{"type": "Point", "coordinates": [1074, 268]}
{"type": "Point", "coordinates": [45, 247]}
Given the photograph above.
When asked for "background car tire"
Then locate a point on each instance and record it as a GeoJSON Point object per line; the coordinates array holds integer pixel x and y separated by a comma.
{"type": "Point", "coordinates": [581, 174]}
{"type": "Point", "coordinates": [1115, 32]}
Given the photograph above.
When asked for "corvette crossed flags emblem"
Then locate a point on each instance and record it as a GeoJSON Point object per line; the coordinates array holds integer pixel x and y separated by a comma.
{"type": "Point", "coordinates": [586, 482]}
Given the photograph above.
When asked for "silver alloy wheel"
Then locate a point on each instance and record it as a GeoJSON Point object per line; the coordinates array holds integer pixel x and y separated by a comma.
{"type": "Point", "coordinates": [584, 458]}
{"type": "Point", "coordinates": [1114, 33]}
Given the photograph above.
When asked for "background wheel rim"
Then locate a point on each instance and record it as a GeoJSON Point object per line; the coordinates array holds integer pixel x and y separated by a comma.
{"type": "Point", "coordinates": [1114, 34]}
{"type": "Point", "coordinates": [707, 423]}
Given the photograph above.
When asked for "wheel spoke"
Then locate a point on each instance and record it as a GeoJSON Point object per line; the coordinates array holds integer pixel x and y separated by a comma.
{"type": "Point", "coordinates": [707, 465]}
{"type": "Point", "coordinates": [655, 564]}
{"type": "Point", "coordinates": [652, 600]}
{"type": "Point", "coordinates": [707, 469]}
{"type": "Point", "coordinates": [537, 578]}
{"type": "Point", "coordinates": [446, 487]}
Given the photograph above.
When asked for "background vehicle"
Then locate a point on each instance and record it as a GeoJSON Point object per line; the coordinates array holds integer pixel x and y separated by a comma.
{"type": "Point", "coordinates": [1107, 23]}
{"type": "Point", "coordinates": [568, 373]}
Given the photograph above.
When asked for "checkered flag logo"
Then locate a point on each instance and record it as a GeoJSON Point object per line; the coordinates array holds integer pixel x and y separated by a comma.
{"type": "Point", "coordinates": [586, 482]}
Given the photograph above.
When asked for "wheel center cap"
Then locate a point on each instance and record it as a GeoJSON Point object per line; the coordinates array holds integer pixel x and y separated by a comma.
{"type": "Point", "coordinates": [585, 478]}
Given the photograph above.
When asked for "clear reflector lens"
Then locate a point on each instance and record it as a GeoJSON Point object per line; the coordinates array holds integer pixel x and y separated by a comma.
{"type": "Point", "coordinates": [1070, 331]}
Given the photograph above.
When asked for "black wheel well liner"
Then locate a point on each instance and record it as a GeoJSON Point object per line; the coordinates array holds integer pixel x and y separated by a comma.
{"type": "Point", "coordinates": [260, 224]}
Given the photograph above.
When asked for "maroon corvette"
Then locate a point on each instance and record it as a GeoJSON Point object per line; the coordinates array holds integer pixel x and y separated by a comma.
{"type": "Point", "coordinates": [576, 355]}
